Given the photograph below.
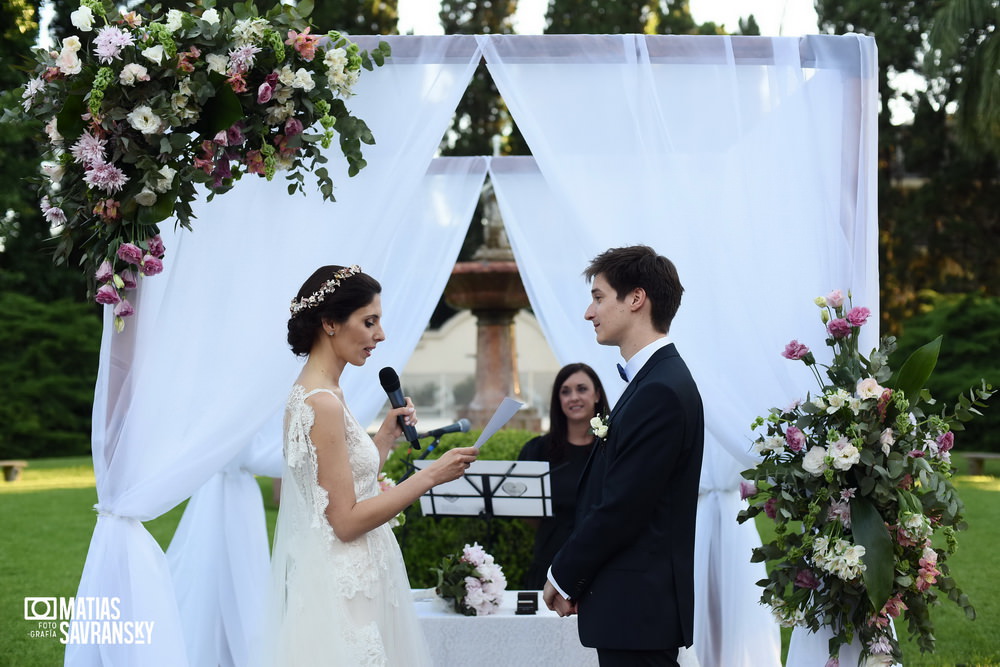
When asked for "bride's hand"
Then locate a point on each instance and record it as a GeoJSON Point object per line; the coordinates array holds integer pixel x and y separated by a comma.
{"type": "Point", "coordinates": [390, 431]}
{"type": "Point", "coordinates": [452, 464]}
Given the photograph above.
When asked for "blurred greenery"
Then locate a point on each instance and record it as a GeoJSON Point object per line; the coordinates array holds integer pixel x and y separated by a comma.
{"type": "Point", "coordinates": [970, 352]}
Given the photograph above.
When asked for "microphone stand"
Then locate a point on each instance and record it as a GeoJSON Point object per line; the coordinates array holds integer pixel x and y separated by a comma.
{"type": "Point", "coordinates": [410, 468]}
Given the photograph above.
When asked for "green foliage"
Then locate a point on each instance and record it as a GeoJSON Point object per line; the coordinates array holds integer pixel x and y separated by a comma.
{"type": "Point", "coordinates": [48, 360]}
{"type": "Point", "coordinates": [970, 352]}
{"type": "Point", "coordinates": [426, 540]}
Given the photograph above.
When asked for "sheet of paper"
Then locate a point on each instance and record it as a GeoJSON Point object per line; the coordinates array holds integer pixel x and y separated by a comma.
{"type": "Point", "coordinates": [503, 414]}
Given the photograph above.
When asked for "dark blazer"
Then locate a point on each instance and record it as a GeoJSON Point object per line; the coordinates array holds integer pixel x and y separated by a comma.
{"type": "Point", "coordinates": [629, 563]}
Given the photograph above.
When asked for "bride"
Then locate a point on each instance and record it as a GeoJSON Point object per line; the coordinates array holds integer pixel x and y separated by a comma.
{"type": "Point", "coordinates": [339, 591]}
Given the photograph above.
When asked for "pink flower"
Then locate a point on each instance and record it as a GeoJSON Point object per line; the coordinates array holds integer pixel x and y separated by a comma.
{"type": "Point", "coordinates": [795, 351]}
{"type": "Point", "coordinates": [88, 150]}
{"type": "Point", "coordinates": [945, 442]}
{"type": "Point", "coordinates": [104, 272]}
{"type": "Point", "coordinates": [839, 328]}
{"type": "Point", "coordinates": [264, 93]}
{"type": "Point", "coordinates": [151, 265]}
{"type": "Point", "coordinates": [241, 60]}
{"type": "Point", "coordinates": [156, 247]}
{"type": "Point", "coordinates": [747, 489]}
{"type": "Point", "coordinates": [53, 214]}
{"type": "Point", "coordinates": [883, 403]}
{"type": "Point", "coordinates": [806, 579]}
{"type": "Point", "coordinates": [107, 295]}
{"type": "Point", "coordinates": [109, 43]}
{"type": "Point", "coordinates": [916, 453]}
{"type": "Point", "coordinates": [124, 309]}
{"type": "Point", "coordinates": [795, 438]}
{"type": "Point", "coordinates": [131, 253]}
{"type": "Point", "coordinates": [107, 177]}
{"type": "Point", "coordinates": [304, 43]}
{"type": "Point", "coordinates": [771, 508]}
{"type": "Point", "coordinates": [858, 316]}
{"type": "Point", "coordinates": [293, 126]}
{"type": "Point", "coordinates": [832, 662]}
{"type": "Point", "coordinates": [129, 278]}
{"type": "Point", "coordinates": [835, 299]}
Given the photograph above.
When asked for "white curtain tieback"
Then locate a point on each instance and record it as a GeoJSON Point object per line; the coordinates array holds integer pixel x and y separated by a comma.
{"type": "Point", "coordinates": [101, 512]}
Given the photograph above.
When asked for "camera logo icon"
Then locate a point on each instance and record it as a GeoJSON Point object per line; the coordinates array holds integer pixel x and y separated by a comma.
{"type": "Point", "coordinates": [40, 609]}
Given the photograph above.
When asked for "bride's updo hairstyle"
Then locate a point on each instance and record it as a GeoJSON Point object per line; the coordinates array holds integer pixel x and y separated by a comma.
{"type": "Point", "coordinates": [332, 293]}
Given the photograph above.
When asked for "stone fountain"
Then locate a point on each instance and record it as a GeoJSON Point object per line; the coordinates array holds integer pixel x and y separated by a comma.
{"type": "Point", "coordinates": [490, 286]}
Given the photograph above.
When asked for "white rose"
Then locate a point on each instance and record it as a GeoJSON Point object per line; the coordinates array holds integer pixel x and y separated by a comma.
{"type": "Point", "coordinates": [844, 454]}
{"type": "Point", "coordinates": [166, 178]}
{"type": "Point", "coordinates": [210, 16]}
{"type": "Point", "coordinates": [217, 63]}
{"type": "Point", "coordinates": [72, 43]}
{"type": "Point", "coordinates": [154, 54]}
{"type": "Point", "coordinates": [143, 119]}
{"type": "Point", "coordinates": [869, 388]}
{"type": "Point", "coordinates": [145, 198]}
{"type": "Point", "coordinates": [814, 462]}
{"type": "Point", "coordinates": [175, 18]}
{"type": "Point", "coordinates": [303, 80]}
{"type": "Point", "coordinates": [82, 19]}
{"type": "Point", "coordinates": [599, 427]}
{"type": "Point", "coordinates": [132, 73]}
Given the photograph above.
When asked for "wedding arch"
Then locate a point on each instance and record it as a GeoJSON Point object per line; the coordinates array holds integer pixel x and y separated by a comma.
{"type": "Point", "coordinates": [750, 161]}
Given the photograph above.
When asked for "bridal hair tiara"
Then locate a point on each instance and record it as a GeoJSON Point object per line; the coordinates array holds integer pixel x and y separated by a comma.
{"type": "Point", "coordinates": [329, 287]}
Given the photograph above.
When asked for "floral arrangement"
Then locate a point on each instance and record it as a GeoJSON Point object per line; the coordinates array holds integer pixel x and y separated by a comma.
{"type": "Point", "coordinates": [857, 480]}
{"type": "Point", "coordinates": [599, 426]}
{"type": "Point", "coordinates": [138, 111]}
{"type": "Point", "coordinates": [472, 581]}
{"type": "Point", "coordinates": [384, 484]}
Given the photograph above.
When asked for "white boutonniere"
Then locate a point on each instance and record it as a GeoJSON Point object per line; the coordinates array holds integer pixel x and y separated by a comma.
{"type": "Point", "coordinates": [599, 426]}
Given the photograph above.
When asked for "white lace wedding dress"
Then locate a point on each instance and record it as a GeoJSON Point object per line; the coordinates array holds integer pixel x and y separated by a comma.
{"type": "Point", "coordinates": [334, 602]}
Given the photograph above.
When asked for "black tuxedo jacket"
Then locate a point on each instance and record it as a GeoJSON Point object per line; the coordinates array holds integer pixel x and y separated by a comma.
{"type": "Point", "coordinates": [629, 563]}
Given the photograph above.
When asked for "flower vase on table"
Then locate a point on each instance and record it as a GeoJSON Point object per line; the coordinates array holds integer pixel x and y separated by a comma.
{"type": "Point", "coordinates": [857, 479]}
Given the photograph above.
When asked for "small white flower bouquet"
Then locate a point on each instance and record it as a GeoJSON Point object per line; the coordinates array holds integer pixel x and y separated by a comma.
{"type": "Point", "coordinates": [472, 581]}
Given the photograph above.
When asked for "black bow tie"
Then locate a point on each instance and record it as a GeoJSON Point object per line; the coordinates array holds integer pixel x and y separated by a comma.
{"type": "Point", "coordinates": [621, 371]}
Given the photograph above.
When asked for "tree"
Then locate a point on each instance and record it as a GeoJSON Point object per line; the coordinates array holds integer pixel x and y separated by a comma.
{"type": "Point", "coordinates": [964, 35]}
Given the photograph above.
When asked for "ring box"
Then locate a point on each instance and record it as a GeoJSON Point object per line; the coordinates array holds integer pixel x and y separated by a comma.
{"type": "Point", "coordinates": [527, 603]}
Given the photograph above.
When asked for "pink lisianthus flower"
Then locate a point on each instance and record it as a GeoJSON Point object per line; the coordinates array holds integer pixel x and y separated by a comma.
{"type": "Point", "coordinates": [131, 253]}
{"type": "Point", "coordinates": [264, 92]}
{"type": "Point", "coordinates": [771, 508]}
{"type": "Point", "coordinates": [293, 126]}
{"type": "Point", "coordinates": [151, 265]}
{"type": "Point", "coordinates": [858, 316]}
{"type": "Point", "coordinates": [835, 299]}
{"type": "Point", "coordinates": [124, 309]}
{"type": "Point", "coordinates": [107, 295]}
{"type": "Point", "coordinates": [129, 279]}
{"type": "Point", "coordinates": [795, 438]}
{"type": "Point", "coordinates": [104, 272]}
{"type": "Point", "coordinates": [832, 662]}
{"type": "Point", "coordinates": [795, 351]}
{"type": "Point", "coordinates": [945, 442]}
{"type": "Point", "coordinates": [839, 328]}
{"type": "Point", "coordinates": [156, 247]}
{"type": "Point", "coordinates": [747, 489]}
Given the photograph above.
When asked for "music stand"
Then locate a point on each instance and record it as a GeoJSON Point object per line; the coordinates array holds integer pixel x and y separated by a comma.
{"type": "Point", "coordinates": [492, 488]}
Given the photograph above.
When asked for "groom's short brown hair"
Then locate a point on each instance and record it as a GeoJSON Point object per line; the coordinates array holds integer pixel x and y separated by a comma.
{"type": "Point", "coordinates": [639, 266]}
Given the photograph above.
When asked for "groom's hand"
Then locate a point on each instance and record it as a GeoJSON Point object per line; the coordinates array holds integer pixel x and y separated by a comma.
{"type": "Point", "coordinates": [556, 602]}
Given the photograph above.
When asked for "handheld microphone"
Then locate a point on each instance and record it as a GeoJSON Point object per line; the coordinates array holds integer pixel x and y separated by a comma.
{"type": "Point", "coordinates": [390, 383]}
{"type": "Point", "coordinates": [461, 426]}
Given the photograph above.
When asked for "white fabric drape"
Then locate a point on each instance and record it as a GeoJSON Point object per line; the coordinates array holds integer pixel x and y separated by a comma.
{"type": "Point", "coordinates": [203, 364]}
{"type": "Point", "coordinates": [750, 163]}
{"type": "Point", "coordinates": [219, 574]}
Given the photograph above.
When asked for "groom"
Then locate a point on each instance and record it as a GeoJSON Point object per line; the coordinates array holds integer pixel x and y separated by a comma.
{"type": "Point", "coordinates": [628, 567]}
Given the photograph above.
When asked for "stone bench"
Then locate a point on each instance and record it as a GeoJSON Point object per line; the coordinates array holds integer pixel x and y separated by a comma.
{"type": "Point", "coordinates": [978, 459]}
{"type": "Point", "coordinates": [12, 469]}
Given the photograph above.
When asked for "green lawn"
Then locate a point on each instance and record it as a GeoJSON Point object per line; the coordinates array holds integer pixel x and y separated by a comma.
{"type": "Point", "coordinates": [48, 520]}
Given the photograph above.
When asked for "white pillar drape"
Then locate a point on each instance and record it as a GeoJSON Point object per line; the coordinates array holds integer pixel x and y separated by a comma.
{"type": "Point", "coordinates": [750, 162]}
{"type": "Point", "coordinates": [203, 364]}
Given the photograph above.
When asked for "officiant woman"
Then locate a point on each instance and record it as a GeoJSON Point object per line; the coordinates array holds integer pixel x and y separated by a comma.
{"type": "Point", "coordinates": [577, 396]}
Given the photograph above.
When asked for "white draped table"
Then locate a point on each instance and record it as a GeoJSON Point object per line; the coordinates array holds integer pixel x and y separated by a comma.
{"type": "Point", "coordinates": [504, 638]}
